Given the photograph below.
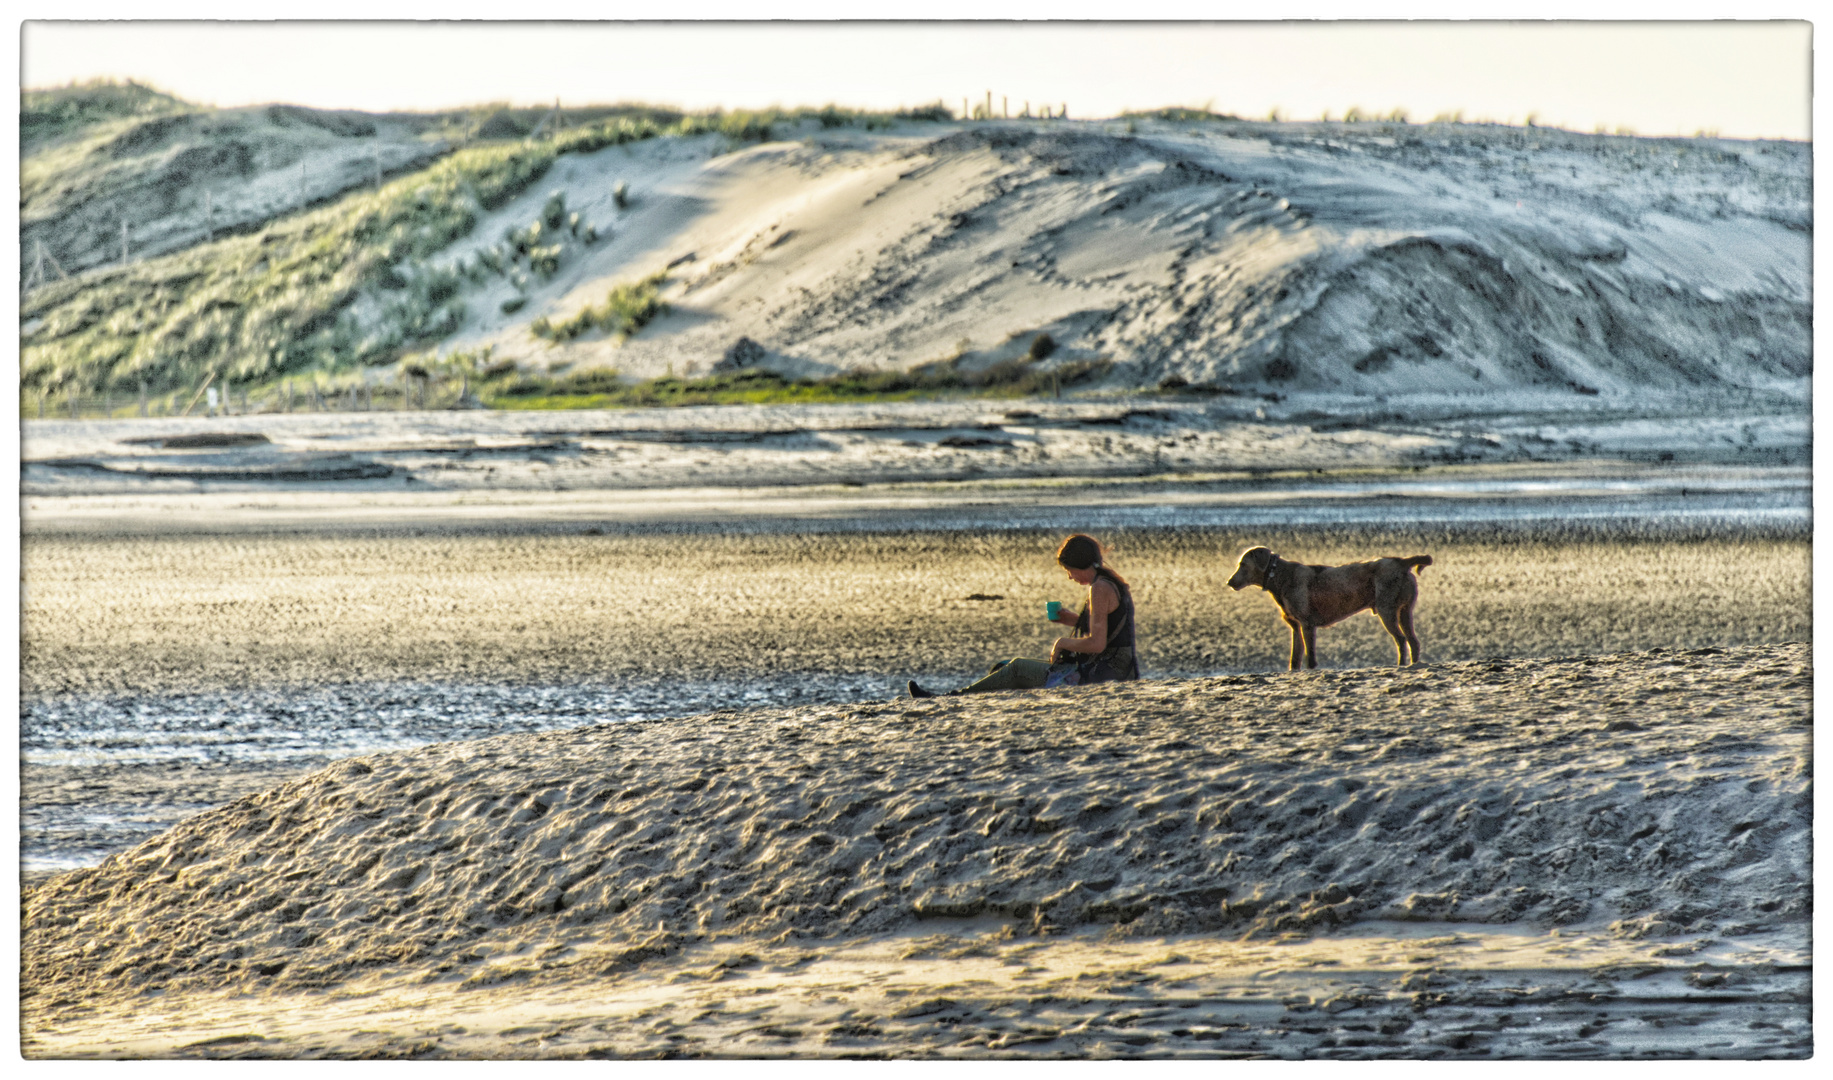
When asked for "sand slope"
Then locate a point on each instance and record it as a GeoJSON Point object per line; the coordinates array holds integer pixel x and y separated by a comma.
{"type": "Point", "coordinates": [1370, 258]}
{"type": "Point", "coordinates": [1635, 795]}
{"type": "Point", "coordinates": [182, 178]}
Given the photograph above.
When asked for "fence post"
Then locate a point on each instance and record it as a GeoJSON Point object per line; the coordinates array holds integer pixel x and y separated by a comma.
{"type": "Point", "coordinates": [143, 399]}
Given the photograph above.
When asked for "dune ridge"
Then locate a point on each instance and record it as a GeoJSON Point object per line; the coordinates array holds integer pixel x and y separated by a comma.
{"type": "Point", "coordinates": [1361, 258]}
{"type": "Point", "coordinates": [1643, 795]}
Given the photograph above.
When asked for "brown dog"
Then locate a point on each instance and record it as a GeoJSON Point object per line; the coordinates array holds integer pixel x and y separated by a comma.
{"type": "Point", "coordinates": [1314, 596]}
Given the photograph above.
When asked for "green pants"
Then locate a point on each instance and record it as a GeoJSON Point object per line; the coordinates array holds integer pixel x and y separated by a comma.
{"type": "Point", "coordinates": [1018, 674]}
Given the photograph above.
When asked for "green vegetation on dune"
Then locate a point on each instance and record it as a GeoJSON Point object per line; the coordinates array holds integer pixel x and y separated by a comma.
{"type": "Point", "coordinates": [249, 308]}
{"type": "Point", "coordinates": [1179, 114]}
{"type": "Point", "coordinates": [332, 288]}
{"type": "Point", "coordinates": [47, 115]}
{"type": "Point", "coordinates": [603, 389]}
{"type": "Point", "coordinates": [629, 307]}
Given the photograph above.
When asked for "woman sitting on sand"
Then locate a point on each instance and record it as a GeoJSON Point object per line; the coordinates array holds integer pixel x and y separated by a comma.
{"type": "Point", "coordinates": [1102, 653]}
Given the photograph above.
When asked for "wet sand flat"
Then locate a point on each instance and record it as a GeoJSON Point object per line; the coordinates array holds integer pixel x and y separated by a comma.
{"type": "Point", "coordinates": [126, 614]}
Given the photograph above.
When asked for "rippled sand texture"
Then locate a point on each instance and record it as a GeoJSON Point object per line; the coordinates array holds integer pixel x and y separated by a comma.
{"type": "Point", "coordinates": [143, 613]}
{"type": "Point", "coordinates": [1653, 807]}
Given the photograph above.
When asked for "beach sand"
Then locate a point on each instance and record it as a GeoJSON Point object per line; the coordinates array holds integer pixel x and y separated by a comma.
{"type": "Point", "coordinates": [1602, 855]}
{"type": "Point", "coordinates": [580, 603]}
{"type": "Point", "coordinates": [1581, 829]}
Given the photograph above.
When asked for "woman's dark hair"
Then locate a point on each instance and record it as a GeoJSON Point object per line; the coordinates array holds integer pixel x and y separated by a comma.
{"type": "Point", "coordinates": [1080, 552]}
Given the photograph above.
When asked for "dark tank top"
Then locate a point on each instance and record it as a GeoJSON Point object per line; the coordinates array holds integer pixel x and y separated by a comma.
{"type": "Point", "coordinates": [1119, 634]}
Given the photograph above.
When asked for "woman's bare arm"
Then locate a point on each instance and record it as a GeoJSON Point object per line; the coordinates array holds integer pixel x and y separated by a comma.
{"type": "Point", "coordinates": [1102, 600]}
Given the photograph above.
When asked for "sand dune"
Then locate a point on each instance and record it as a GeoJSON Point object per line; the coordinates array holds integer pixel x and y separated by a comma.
{"type": "Point", "coordinates": [1373, 259]}
{"type": "Point", "coordinates": [1658, 795]}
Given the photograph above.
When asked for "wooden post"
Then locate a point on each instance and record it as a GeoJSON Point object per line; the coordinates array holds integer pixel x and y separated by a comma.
{"type": "Point", "coordinates": [199, 395]}
{"type": "Point", "coordinates": [1004, 112]}
{"type": "Point", "coordinates": [989, 114]}
{"type": "Point", "coordinates": [965, 115]}
{"type": "Point", "coordinates": [143, 398]}
{"type": "Point", "coordinates": [39, 261]}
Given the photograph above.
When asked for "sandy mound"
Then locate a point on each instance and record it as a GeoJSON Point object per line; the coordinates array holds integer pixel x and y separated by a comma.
{"type": "Point", "coordinates": [1652, 794]}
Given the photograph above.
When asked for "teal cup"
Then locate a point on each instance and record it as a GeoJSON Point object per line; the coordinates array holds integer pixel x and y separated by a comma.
{"type": "Point", "coordinates": [1052, 609]}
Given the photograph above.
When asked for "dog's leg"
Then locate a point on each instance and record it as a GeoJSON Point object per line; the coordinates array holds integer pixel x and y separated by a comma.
{"type": "Point", "coordinates": [1405, 615]}
{"type": "Point", "coordinates": [1298, 646]}
{"type": "Point", "coordinates": [1310, 645]}
{"type": "Point", "coordinates": [1390, 619]}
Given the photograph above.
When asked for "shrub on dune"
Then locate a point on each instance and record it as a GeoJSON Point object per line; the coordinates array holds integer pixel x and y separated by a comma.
{"type": "Point", "coordinates": [627, 309]}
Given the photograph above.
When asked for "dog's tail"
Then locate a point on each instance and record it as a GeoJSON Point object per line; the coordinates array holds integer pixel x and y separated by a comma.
{"type": "Point", "coordinates": [1417, 562]}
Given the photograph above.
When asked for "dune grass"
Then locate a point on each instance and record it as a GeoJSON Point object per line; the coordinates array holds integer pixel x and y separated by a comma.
{"type": "Point", "coordinates": [49, 115]}
{"type": "Point", "coordinates": [629, 307]}
{"type": "Point", "coordinates": [603, 389]}
{"type": "Point", "coordinates": [320, 291]}
{"type": "Point", "coordinates": [250, 308]}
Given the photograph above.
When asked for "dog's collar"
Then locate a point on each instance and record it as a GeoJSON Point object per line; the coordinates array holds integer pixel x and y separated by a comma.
{"type": "Point", "coordinates": [1272, 563]}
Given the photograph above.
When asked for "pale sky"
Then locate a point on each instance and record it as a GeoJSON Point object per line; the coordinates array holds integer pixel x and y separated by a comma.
{"type": "Point", "coordinates": [1745, 79]}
